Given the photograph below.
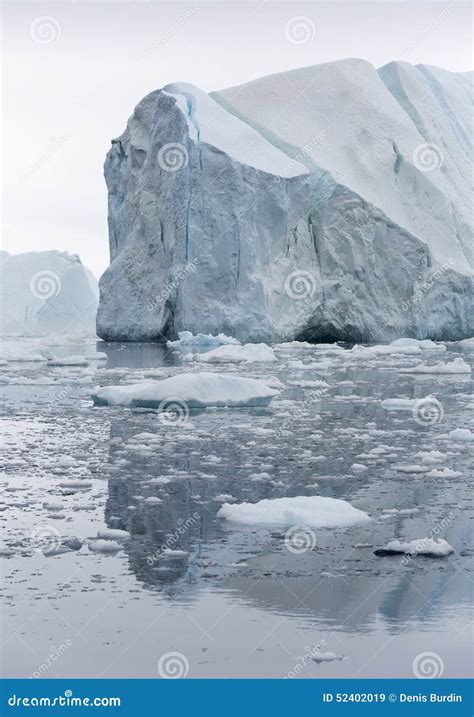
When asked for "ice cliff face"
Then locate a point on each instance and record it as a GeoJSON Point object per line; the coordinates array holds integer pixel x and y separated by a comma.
{"type": "Point", "coordinates": [330, 202]}
{"type": "Point", "coordinates": [46, 291]}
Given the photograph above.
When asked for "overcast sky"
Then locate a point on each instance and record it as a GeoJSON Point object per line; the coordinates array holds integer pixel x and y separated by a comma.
{"type": "Point", "coordinates": [72, 80]}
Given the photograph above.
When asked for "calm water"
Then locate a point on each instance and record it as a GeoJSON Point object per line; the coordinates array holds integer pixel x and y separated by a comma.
{"type": "Point", "coordinates": [237, 602]}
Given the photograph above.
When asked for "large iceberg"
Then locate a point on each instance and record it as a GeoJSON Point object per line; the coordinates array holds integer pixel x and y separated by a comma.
{"type": "Point", "coordinates": [46, 291]}
{"type": "Point", "coordinates": [325, 203]}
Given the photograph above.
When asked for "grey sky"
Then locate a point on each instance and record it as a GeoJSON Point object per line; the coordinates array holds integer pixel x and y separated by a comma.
{"type": "Point", "coordinates": [64, 99]}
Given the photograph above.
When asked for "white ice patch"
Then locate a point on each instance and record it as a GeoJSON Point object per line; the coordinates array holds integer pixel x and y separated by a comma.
{"type": "Point", "coordinates": [456, 366]}
{"type": "Point", "coordinates": [68, 361]}
{"type": "Point", "coordinates": [200, 343]}
{"type": "Point", "coordinates": [312, 511]}
{"type": "Point", "coordinates": [422, 546]}
{"type": "Point", "coordinates": [235, 354]}
{"type": "Point", "coordinates": [196, 390]}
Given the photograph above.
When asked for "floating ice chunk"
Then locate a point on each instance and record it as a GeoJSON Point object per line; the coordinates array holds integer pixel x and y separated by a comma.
{"type": "Point", "coordinates": [224, 498]}
{"type": "Point", "coordinates": [398, 404]}
{"type": "Point", "coordinates": [98, 356]}
{"type": "Point", "coordinates": [53, 506]}
{"type": "Point", "coordinates": [326, 657]}
{"type": "Point", "coordinates": [358, 467]}
{"type": "Point", "coordinates": [412, 468]}
{"type": "Point", "coordinates": [389, 349]}
{"type": "Point", "coordinates": [302, 383]}
{"type": "Point", "coordinates": [77, 484]}
{"type": "Point", "coordinates": [399, 511]}
{"type": "Point", "coordinates": [66, 461]}
{"type": "Point", "coordinates": [424, 344]}
{"type": "Point", "coordinates": [196, 390]}
{"type": "Point", "coordinates": [443, 473]}
{"type": "Point", "coordinates": [104, 546]}
{"type": "Point", "coordinates": [235, 354]}
{"type": "Point", "coordinates": [428, 547]}
{"type": "Point", "coordinates": [169, 553]}
{"type": "Point", "coordinates": [153, 500]}
{"type": "Point", "coordinates": [311, 511]}
{"type": "Point", "coordinates": [68, 361]}
{"type": "Point", "coordinates": [456, 366]}
{"type": "Point", "coordinates": [199, 343]}
{"type": "Point", "coordinates": [113, 534]}
{"type": "Point", "coordinates": [461, 434]}
{"type": "Point", "coordinates": [430, 457]}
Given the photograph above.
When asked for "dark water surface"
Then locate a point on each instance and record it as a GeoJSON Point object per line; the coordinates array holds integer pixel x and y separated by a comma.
{"type": "Point", "coordinates": [234, 601]}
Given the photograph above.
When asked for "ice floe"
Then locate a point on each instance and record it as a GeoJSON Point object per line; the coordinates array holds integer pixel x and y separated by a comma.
{"type": "Point", "coordinates": [196, 390]}
{"type": "Point", "coordinates": [231, 353]}
{"type": "Point", "coordinates": [311, 511]}
{"type": "Point", "coordinates": [456, 366]}
{"type": "Point", "coordinates": [428, 547]}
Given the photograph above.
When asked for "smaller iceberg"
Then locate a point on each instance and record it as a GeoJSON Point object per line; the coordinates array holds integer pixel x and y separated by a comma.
{"type": "Point", "coordinates": [427, 547]}
{"type": "Point", "coordinates": [309, 511]}
{"type": "Point", "coordinates": [191, 390]}
{"type": "Point", "coordinates": [188, 343]}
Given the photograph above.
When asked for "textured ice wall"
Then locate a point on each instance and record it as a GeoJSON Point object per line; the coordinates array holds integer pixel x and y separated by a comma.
{"type": "Point", "coordinates": [332, 203]}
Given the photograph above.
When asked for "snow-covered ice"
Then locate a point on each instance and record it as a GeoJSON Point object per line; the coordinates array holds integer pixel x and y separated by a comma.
{"type": "Point", "coordinates": [312, 511]}
{"type": "Point", "coordinates": [428, 547]}
{"type": "Point", "coordinates": [196, 390]}
{"type": "Point", "coordinates": [187, 342]}
{"type": "Point", "coordinates": [456, 366]}
{"type": "Point", "coordinates": [235, 354]}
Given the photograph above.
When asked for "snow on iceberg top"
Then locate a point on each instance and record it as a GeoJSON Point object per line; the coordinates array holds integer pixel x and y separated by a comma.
{"type": "Point", "coordinates": [188, 390]}
{"type": "Point", "coordinates": [399, 137]}
{"type": "Point", "coordinates": [208, 122]}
